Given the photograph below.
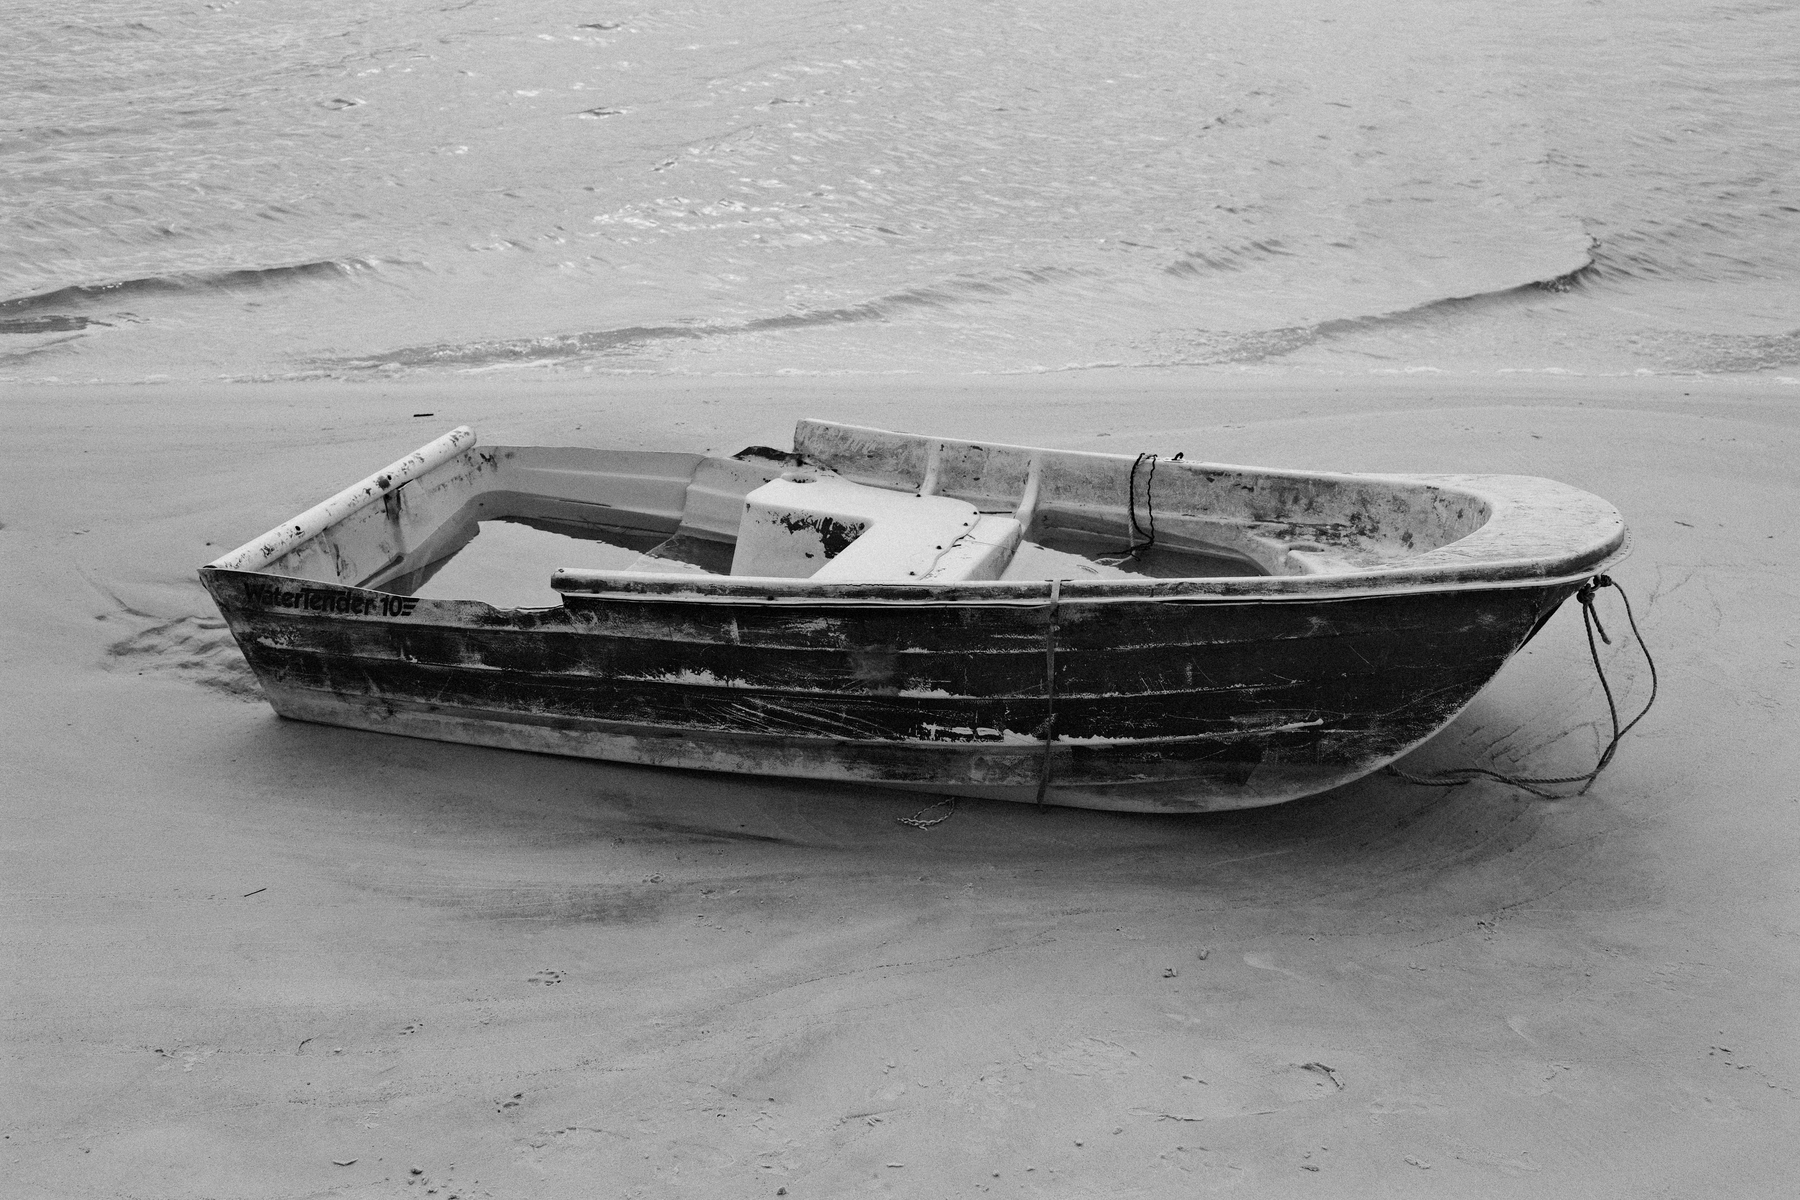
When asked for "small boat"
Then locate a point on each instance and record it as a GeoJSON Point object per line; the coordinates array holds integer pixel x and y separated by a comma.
{"type": "Point", "coordinates": [957, 617]}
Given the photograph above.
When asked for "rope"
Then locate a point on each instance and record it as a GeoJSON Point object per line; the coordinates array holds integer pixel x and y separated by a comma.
{"type": "Point", "coordinates": [919, 820]}
{"type": "Point", "coordinates": [1136, 528]}
{"type": "Point", "coordinates": [1590, 622]}
{"type": "Point", "coordinates": [1048, 729]}
{"type": "Point", "coordinates": [1138, 531]}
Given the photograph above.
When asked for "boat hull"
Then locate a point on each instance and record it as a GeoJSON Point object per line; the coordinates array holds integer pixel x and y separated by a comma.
{"type": "Point", "coordinates": [1154, 703]}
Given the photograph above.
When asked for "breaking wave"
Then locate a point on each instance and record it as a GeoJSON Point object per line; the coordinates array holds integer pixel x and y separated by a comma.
{"type": "Point", "coordinates": [1228, 258]}
{"type": "Point", "coordinates": [1207, 347]}
{"type": "Point", "coordinates": [556, 347]}
{"type": "Point", "coordinates": [48, 312]}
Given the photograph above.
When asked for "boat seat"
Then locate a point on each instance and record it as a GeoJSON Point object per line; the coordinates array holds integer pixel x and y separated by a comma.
{"type": "Point", "coordinates": [826, 528]}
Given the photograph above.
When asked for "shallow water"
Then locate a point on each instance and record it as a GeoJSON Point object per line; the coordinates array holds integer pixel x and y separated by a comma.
{"type": "Point", "coordinates": [255, 190]}
{"type": "Point", "coordinates": [509, 564]}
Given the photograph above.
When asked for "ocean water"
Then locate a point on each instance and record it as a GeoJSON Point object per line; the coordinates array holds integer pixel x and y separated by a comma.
{"type": "Point", "coordinates": [253, 189]}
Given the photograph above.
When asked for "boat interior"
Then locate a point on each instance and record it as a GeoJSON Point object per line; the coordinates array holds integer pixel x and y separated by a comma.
{"type": "Point", "coordinates": [851, 505]}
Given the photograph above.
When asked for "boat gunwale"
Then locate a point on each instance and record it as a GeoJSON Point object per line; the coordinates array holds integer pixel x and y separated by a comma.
{"type": "Point", "coordinates": [1249, 589]}
{"type": "Point", "coordinates": [1575, 565]}
{"type": "Point", "coordinates": [1475, 576]}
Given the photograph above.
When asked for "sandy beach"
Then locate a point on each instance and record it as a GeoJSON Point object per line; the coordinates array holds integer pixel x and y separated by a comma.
{"type": "Point", "coordinates": [253, 958]}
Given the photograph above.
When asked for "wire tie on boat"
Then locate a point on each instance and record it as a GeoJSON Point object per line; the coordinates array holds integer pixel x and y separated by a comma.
{"type": "Point", "coordinates": [1536, 785]}
{"type": "Point", "coordinates": [1048, 729]}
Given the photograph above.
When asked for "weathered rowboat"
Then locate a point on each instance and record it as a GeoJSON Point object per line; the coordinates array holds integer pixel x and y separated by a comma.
{"type": "Point", "coordinates": [960, 617]}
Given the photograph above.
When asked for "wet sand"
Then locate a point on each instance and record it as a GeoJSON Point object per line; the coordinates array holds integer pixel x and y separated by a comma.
{"type": "Point", "coordinates": [254, 958]}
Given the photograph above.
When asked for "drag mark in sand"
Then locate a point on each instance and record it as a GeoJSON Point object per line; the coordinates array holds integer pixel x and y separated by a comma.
{"type": "Point", "coordinates": [1031, 943]}
{"type": "Point", "coordinates": [196, 648]}
{"type": "Point", "coordinates": [1262, 963]}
